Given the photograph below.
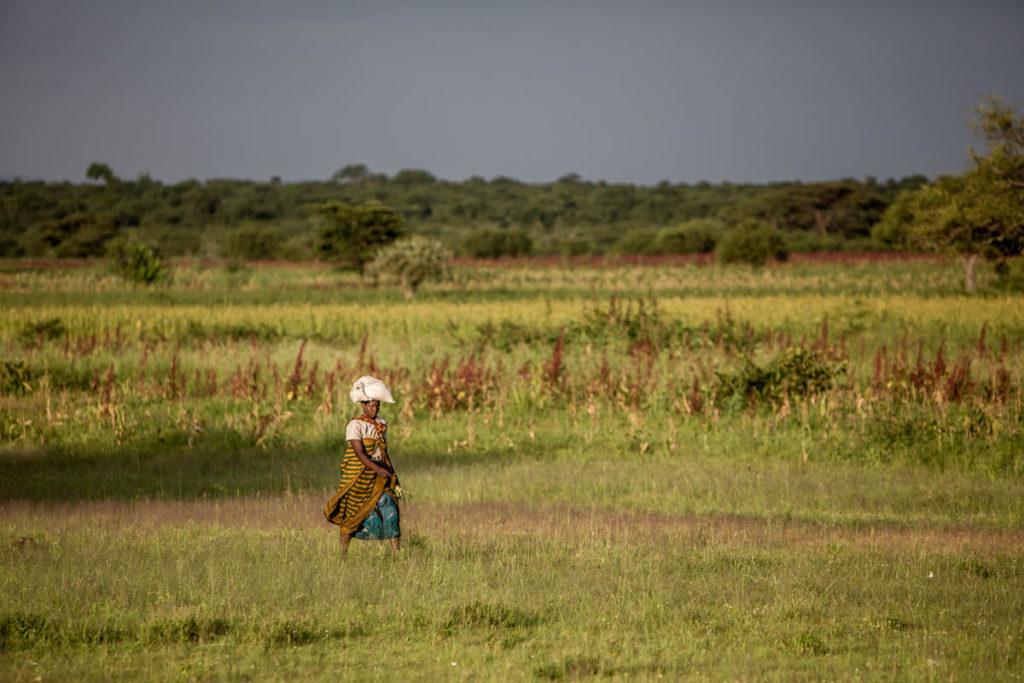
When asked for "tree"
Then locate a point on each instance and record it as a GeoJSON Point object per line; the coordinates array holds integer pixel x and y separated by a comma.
{"type": "Point", "coordinates": [411, 261]}
{"type": "Point", "coordinates": [891, 230]}
{"type": "Point", "coordinates": [348, 235]}
{"type": "Point", "coordinates": [100, 171]}
{"type": "Point", "coordinates": [351, 173]}
{"type": "Point", "coordinates": [979, 214]}
{"type": "Point", "coordinates": [413, 176]}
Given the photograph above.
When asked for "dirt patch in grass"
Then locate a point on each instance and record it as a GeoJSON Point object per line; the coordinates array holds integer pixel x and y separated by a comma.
{"type": "Point", "coordinates": [303, 512]}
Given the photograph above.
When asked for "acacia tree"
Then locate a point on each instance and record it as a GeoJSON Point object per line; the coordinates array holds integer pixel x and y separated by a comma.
{"type": "Point", "coordinates": [979, 214]}
{"type": "Point", "coordinates": [351, 173]}
{"type": "Point", "coordinates": [349, 235]}
{"type": "Point", "coordinates": [100, 171]}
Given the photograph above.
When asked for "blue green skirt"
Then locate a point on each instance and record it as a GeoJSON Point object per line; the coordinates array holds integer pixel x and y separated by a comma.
{"type": "Point", "coordinates": [382, 522]}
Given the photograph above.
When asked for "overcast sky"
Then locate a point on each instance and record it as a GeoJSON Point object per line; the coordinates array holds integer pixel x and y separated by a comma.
{"type": "Point", "coordinates": [635, 91]}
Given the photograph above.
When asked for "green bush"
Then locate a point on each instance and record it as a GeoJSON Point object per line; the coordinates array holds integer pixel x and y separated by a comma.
{"type": "Point", "coordinates": [11, 248]}
{"type": "Point", "coordinates": [795, 372]}
{"type": "Point", "coordinates": [498, 243]}
{"type": "Point", "coordinates": [79, 235]}
{"type": "Point", "coordinates": [751, 241]}
{"type": "Point", "coordinates": [698, 236]}
{"type": "Point", "coordinates": [638, 241]}
{"type": "Point", "coordinates": [411, 261]}
{"type": "Point", "coordinates": [1010, 274]}
{"type": "Point", "coordinates": [43, 330]}
{"type": "Point", "coordinates": [16, 377]}
{"type": "Point", "coordinates": [136, 261]}
{"type": "Point", "coordinates": [251, 243]}
{"type": "Point", "coordinates": [178, 240]}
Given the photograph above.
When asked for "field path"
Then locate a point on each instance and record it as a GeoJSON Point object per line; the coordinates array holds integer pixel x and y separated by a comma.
{"type": "Point", "coordinates": [302, 512]}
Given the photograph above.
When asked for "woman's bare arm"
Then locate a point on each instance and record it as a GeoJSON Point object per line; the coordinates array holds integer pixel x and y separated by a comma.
{"type": "Point", "coordinates": [357, 445]}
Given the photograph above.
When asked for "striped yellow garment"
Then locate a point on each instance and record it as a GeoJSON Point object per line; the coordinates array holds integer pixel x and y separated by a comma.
{"type": "Point", "coordinates": [359, 491]}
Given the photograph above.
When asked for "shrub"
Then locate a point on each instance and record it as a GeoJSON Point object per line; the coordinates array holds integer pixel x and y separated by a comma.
{"type": "Point", "coordinates": [794, 373]}
{"type": "Point", "coordinates": [640, 241]}
{"type": "Point", "coordinates": [751, 241]}
{"type": "Point", "coordinates": [79, 235]}
{"type": "Point", "coordinates": [43, 330]}
{"type": "Point", "coordinates": [251, 243]}
{"type": "Point", "coordinates": [698, 236]}
{"type": "Point", "coordinates": [497, 243]}
{"type": "Point", "coordinates": [136, 261]}
{"type": "Point", "coordinates": [16, 377]}
{"type": "Point", "coordinates": [10, 247]}
{"type": "Point", "coordinates": [411, 261]}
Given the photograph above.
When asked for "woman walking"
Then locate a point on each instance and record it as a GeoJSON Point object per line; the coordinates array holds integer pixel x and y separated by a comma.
{"type": "Point", "coordinates": [365, 505]}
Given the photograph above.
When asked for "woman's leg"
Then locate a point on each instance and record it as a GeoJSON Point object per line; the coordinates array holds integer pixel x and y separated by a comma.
{"type": "Point", "coordinates": [345, 540]}
{"type": "Point", "coordinates": [396, 545]}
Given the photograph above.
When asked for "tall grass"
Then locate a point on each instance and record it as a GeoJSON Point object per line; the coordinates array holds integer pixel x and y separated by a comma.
{"type": "Point", "coordinates": [621, 470]}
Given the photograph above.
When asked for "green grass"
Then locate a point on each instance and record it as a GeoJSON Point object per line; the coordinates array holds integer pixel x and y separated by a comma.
{"type": "Point", "coordinates": [600, 507]}
{"type": "Point", "coordinates": [254, 587]}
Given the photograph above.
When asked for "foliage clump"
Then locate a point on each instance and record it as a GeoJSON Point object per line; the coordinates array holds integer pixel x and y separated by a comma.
{"type": "Point", "coordinates": [698, 236]}
{"type": "Point", "coordinates": [796, 372]}
{"type": "Point", "coordinates": [976, 215]}
{"type": "Point", "coordinates": [252, 242]}
{"type": "Point", "coordinates": [350, 234]}
{"type": "Point", "coordinates": [477, 615]}
{"type": "Point", "coordinates": [16, 377]}
{"type": "Point", "coordinates": [411, 261]}
{"type": "Point", "coordinates": [44, 330]}
{"type": "Point", "coordinates": [498, 243]}
{"type": "Point", "coordinates": [137, 261]}
{"type": "Point", "coordinates": [78, 235]}
{"type": "Point", "coordinates": [751, 241]}
{"type": "Point", "coordinates": [638, 241]}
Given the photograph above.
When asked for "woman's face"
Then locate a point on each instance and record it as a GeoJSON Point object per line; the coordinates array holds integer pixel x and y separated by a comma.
{"type": "Point", "coordinates": [371, 408]}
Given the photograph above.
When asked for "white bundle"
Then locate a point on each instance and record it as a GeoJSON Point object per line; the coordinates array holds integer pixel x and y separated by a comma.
{"type": "Point", "coordinates": [368, 388]}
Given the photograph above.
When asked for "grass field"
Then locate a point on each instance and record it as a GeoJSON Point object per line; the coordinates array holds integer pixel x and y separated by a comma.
{"type": "Point", "coordinates": [615, 470]}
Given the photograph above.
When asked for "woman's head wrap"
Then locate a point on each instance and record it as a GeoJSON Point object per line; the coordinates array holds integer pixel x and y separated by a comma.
{"type": "Point", "coordinates": [368, 388]}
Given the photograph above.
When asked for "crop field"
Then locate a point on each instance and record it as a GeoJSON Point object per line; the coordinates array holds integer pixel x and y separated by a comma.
{"type": "Point", "coordinates": [642, 469]}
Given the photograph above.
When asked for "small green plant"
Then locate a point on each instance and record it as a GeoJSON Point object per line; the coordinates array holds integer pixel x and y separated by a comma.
{"type": "Point", "coordinates": [478, 615]}
{"type": "Point", "coordinates": [16, 377]}
{"type": "Point", "coordinates": [21, 630]}
{"type": "Point", "coordinates": [795, 372]}
{"type": "Point", "coordinates": [137, 262]}
{"type": "Point", "coordinates": [187, 630]}
{"type": "Point", "coordinates": [43, 330]}
{"type": "Point", "coordinates": [411, 261]}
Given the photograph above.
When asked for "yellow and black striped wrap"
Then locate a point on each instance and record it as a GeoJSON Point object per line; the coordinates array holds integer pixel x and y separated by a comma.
{"type": "Point", "coordinates": [359, 490]}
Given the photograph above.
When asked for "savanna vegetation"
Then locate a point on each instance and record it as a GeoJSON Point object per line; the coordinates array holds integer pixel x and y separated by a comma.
{"type": "Point", "coordinates": [614, 468]}
{"type": "Point", "coordinates": [254, 220]}
{"type": "Point", "coordinates": [644, 432]}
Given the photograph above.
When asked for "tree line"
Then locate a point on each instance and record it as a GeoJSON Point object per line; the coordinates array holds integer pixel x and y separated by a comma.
{"type": "Point", "coordinates": [474, 217]}
{"type": "Point", "coordinates": [347, 218]}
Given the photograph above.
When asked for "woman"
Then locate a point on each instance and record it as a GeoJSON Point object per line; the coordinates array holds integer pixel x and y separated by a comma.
{"type": "Point", "coordinates": [365, 505]}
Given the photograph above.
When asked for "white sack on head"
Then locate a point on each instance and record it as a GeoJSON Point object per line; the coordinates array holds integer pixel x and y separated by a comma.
{"type": "Point", "coordinates": [368, 388]}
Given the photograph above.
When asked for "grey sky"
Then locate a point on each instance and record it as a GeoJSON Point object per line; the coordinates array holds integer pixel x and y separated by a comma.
{"type": "Point", "coordinates": [625, 91]}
